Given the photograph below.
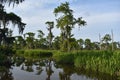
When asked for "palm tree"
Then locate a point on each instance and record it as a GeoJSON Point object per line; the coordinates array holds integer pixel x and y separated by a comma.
{"type": "Point", "coordinates": [106, 40]}
{"type": "Point", "coordinates": [50, 34]}
{"type": "Point", "coordinates": [40, 34]}
{"type": "Point", "coordinates": [73, 44]}
{"type": "Point", "coordinates": [80, 43]}
{"type": "Point", "coordinates": [19, 42]}
{"type": "Point", "coordinates": [56, 43]}
{"type": "Point", "coordinates": [30, 40]}
{"type": "Point", "coordinates": [42, 40]}
{"type": "Point", "coordinates": [66, 23]}
{"type": "Point", "coordinates": [95, 46]}
{"type": "Point", "coordinates": [87, 44]}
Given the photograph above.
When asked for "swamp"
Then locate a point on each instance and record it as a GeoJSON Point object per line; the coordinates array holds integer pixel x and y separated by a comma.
{"type": "Point", "coordinates": [59, 40]}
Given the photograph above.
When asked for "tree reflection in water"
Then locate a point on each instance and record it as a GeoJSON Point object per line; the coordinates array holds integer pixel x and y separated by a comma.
{"type": "Point", "coordinates": [39, 64]}
{"type": "Point", "coordinates": [50, 69]}
{"type": "Point", "coordinates": [67, 72]}
{"type": "Point", "coordinates": [5, 74]}
{"type": "Point", "coordinates": [95, 75]}
{"type": "Point", "coordinates": [29, 65]}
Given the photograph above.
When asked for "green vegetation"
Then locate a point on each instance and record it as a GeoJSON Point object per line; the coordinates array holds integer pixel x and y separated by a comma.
{"type": "Point", "coordinates": [64, 58]}
{"type": "Point", "coordinates": [66, 23]}
{"type": "Point", "coordinates": [5, 54]}
{"type": "Point", "coordinates": [34, 53]}
{"type": "Point", "coordinates": [100, 61]}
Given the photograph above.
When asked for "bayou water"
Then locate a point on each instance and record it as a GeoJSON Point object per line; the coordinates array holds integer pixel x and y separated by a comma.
{"type": "Point", "coordinates": [48, 69]}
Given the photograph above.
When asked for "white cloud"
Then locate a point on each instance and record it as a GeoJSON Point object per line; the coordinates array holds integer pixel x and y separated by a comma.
{"type": "Point", "coordinates": [99, 23]}
{"type": "Point", "coordinates": [103, 18]}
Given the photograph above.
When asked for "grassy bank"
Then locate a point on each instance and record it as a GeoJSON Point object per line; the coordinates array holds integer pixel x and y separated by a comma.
{"type": "Point", "coordinates": [34, 53]}
{"type": "Point", "coordinates": [101, 61]}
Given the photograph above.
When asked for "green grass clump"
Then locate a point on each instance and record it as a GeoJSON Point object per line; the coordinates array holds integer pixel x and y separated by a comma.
{"type": "Point", "coordinates": [34, 53]}
{"type": "Point", "coordinates": [64, 57]}
{"type": "Point", "coordinates": [101, 61]}
{"type": "Point", "coordinates": [20, 52]}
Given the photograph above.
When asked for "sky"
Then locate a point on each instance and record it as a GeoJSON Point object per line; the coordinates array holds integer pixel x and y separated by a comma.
{"type": "Point", "coordinates": [101, 16]}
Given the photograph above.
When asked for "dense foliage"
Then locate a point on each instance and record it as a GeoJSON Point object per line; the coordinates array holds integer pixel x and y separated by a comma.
{"type": "Point", "coordinates": [100, 61]}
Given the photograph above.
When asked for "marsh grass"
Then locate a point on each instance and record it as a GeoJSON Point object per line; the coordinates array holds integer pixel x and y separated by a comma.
{"type": "Point", "coordinates": [101, 61]}
{"type": "Point", "coordinates": [64, 58]}
{"type": "Point", "coordinates": [34, 53]}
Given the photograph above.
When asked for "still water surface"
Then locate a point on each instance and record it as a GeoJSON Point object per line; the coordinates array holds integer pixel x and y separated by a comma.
{"type": "Point", "coordinates": [46, 69]}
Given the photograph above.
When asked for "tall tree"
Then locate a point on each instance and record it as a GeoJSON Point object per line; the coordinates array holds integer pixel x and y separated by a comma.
{"type": "Point", "coordinates": [106, 40]}
{"type": "Point", "coordinates": [30, 40]}
{"type": "Point", "coordinates": [19, 42]}
{"type": "Point", "coordinates": [66, 23]}
{"type": "Point", "coordinates": [87, 44]}
{"type": "Point", "coordinates": [95, 46]}
{"type": "Point", "coordinates": [42, 41]}
{"type": "Point", "coordinates": [50, 34]}
{"type": "Point", "coordinates": [80, 43]}
{"type": "Point", "coordinates": [73, 44]}
{"type": "Point", "coordinates": [56, 43]}
{"type": "Point", "coordinates": [40, 34]}
{"type": "Point", "coordinates": [7, 18]}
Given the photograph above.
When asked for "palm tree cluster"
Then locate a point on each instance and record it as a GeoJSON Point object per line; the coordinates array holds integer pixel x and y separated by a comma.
{"type": "Point", "coordinates": [30, 42]}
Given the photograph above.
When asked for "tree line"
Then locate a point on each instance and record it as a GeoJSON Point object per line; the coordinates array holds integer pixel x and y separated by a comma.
{"type": "Point", "coordinates": [66, 22]}
{"type": "Point", "coordinates": [28, 41]}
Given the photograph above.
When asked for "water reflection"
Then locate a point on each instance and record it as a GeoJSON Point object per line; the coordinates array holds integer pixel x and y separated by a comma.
{"type": "Point", "coordinates": [5, 74]}
{"type": "Point", "coordinates": [95, 75]}
{"type": "Point", "coordinates": [47, 69]}
{"type": "Point", "coordinates": [67, 72]}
